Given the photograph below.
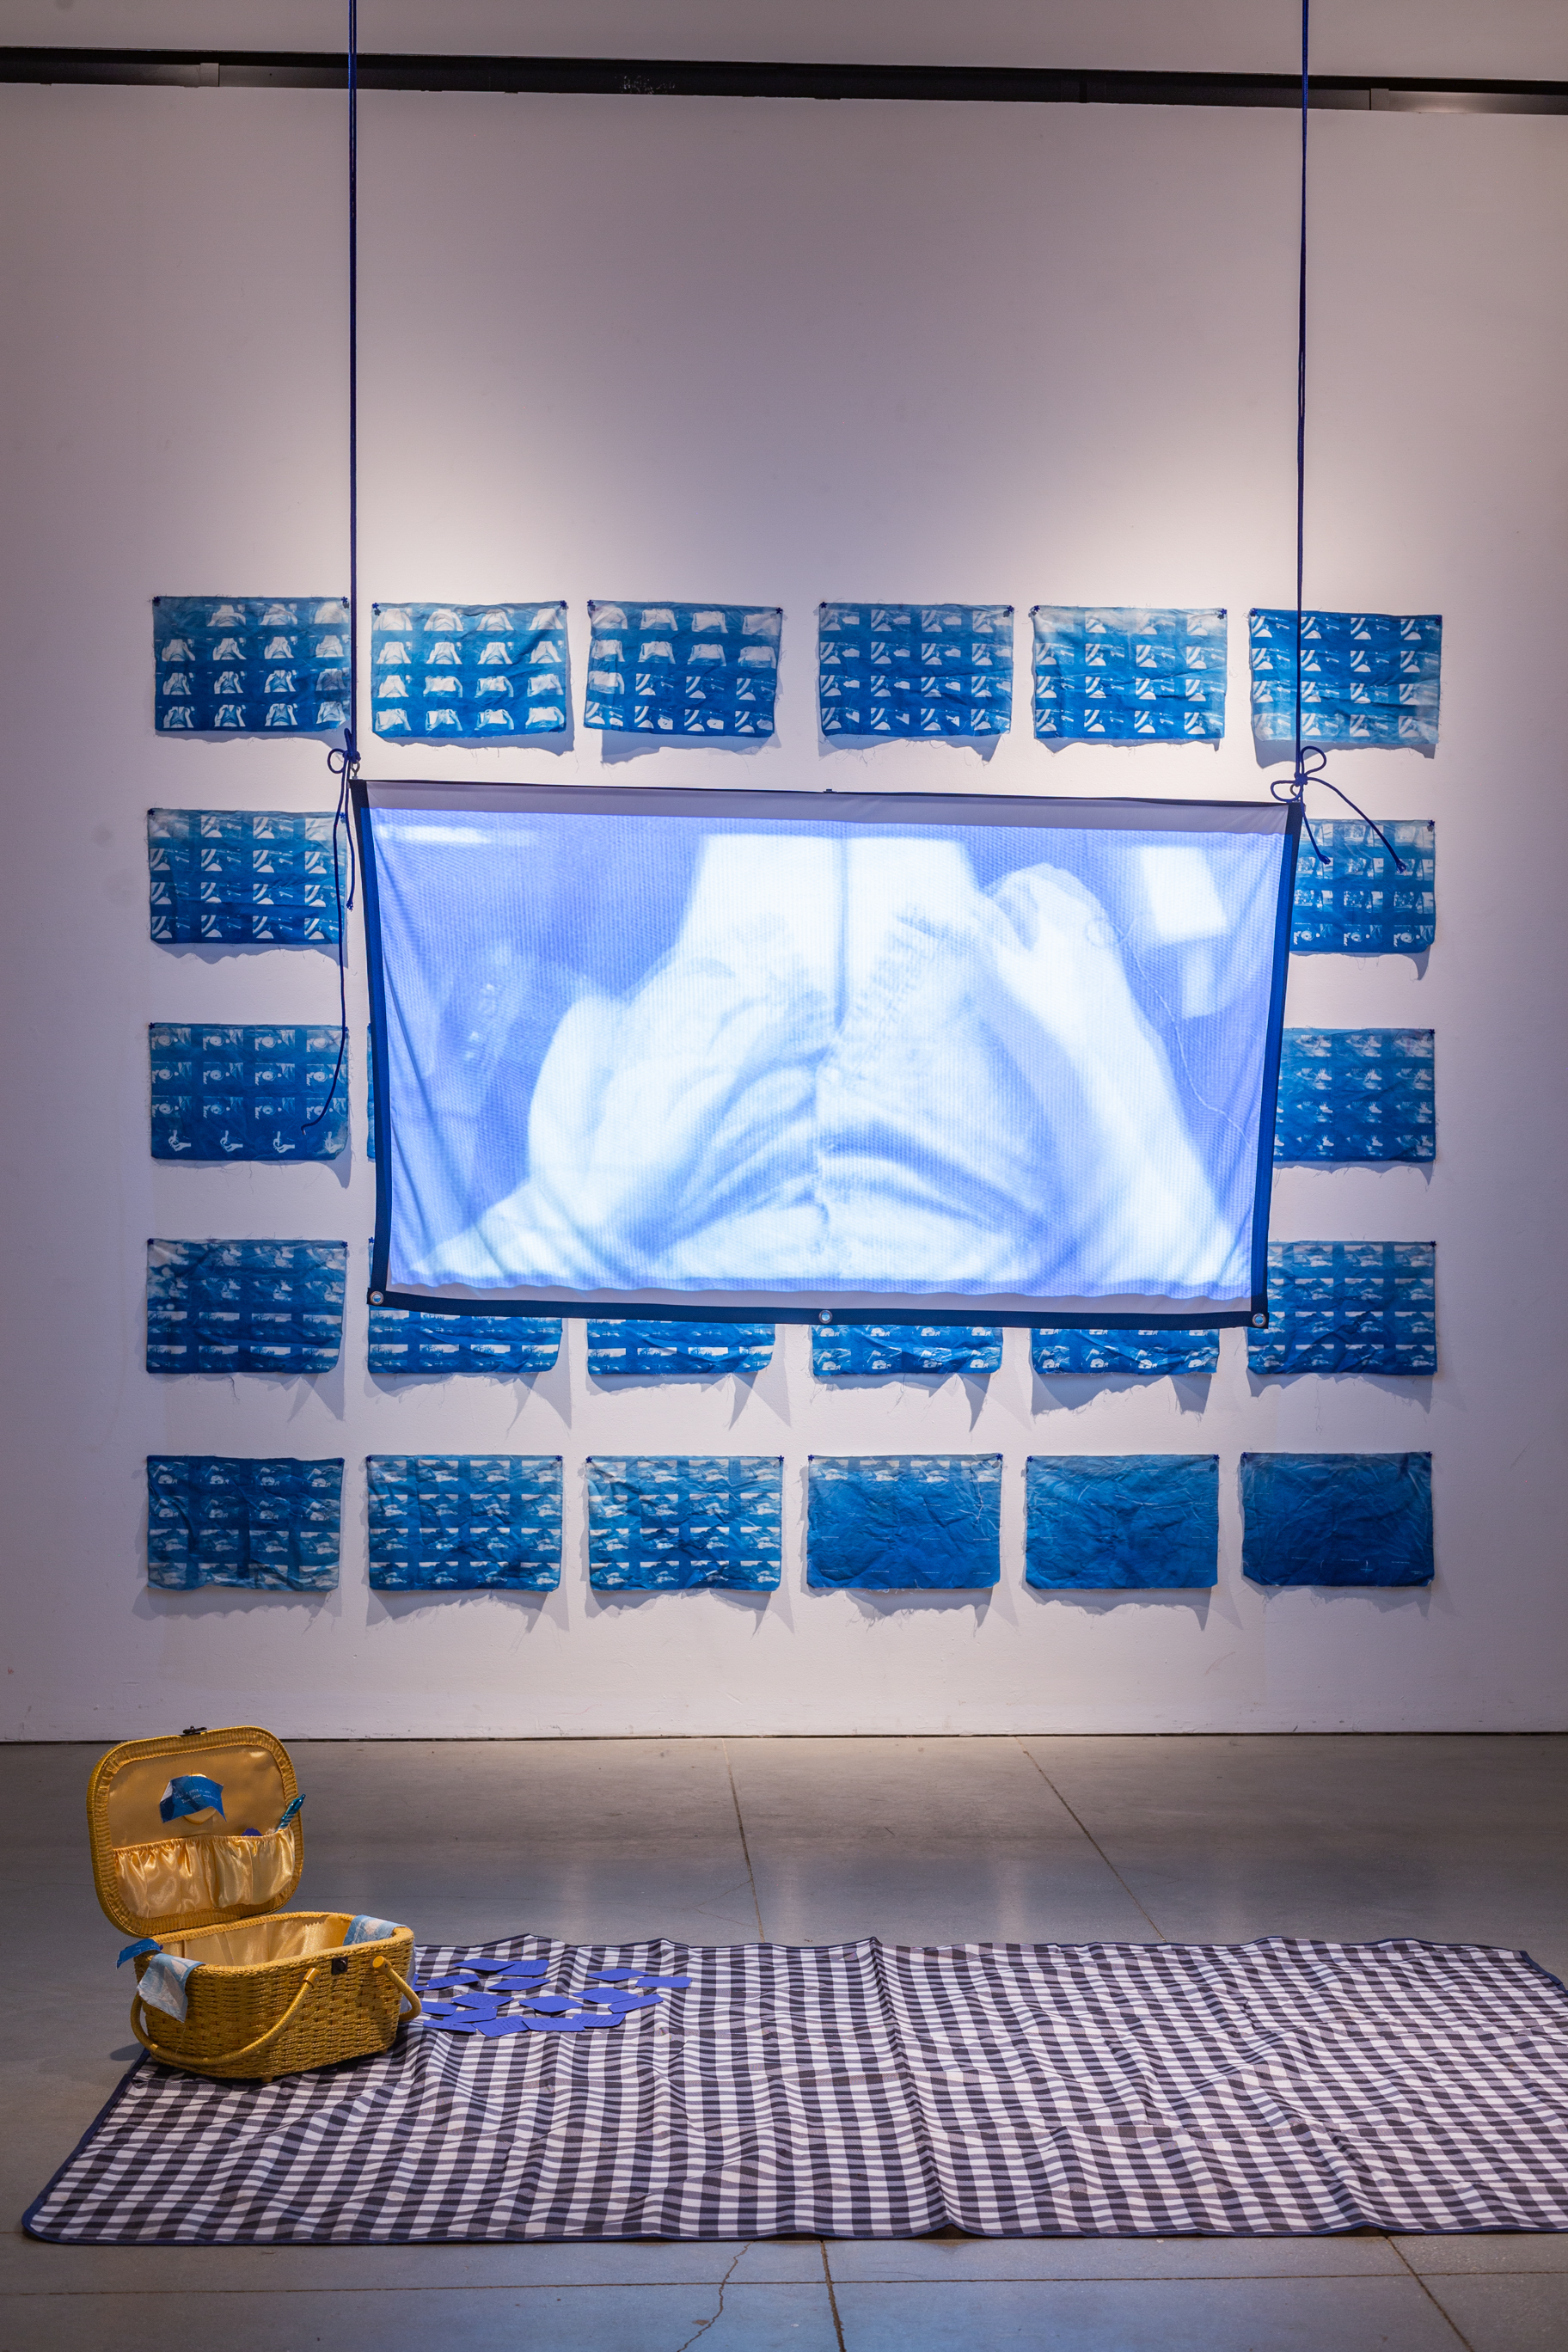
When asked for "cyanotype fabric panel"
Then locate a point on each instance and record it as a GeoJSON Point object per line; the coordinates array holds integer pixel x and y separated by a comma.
{"type": "Point", "coordinates": [1348, 1307]}
{"type": "Point", "coordinates": [1124, 674]}
{"type": "Point", "coordinates": [619, 1347]}
{"type": "Point", "coordinates": [1149, 1354]}
{"type": "Point", "coordinates": [1110, 1522]}
{"type": "Point", "coordinates": [1366, 678]}
{"type": "Point", "coordinates": [860, 1351]}
{"type": "Point", "coordinates": [683, 669]}
{"type": "Point", "coordinates": [467, 673]}
{"type": "Point", "coordinates": [267, 1522]}
{"type": "Point", "coordinates": [1352, 899]}
{"type": "Point", "coordinates": [904, 1522]}
{"type": "Point", "coordinates": [250, 877]}
{"type": "Point", "coordinates": [245, 1306]}
{"type": "Point", "coordinates": [464, 1522]}
{"type": "Point", "coordinates": [914, 669]}
{"type": "Point", "coordinates": [404, 1340]}
{"type": "Point", "coordinates": [1336, 1519]}
{"type": "Point", "coordinates": [1356, 1094]}
{"type": "Point", "coordinates": [250, 665]}
{"type": "Point", "coordinates": [247, 1093]}
{"type": "Point", "coordinates": [685, 1523]}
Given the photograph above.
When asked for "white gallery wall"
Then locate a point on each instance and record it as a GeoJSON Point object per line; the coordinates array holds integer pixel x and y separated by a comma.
{"type": "Point", "coordinates": [770, 352]}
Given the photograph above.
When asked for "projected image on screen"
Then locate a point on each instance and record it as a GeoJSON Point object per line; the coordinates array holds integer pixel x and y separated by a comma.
{"type": "Point", "coordinates": [665, 1047]}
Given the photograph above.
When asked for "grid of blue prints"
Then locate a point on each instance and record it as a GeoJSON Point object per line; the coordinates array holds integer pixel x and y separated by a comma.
{"type": "Point", "coordinates": [1348, 1307]}
{"type": "Point", "coordinates": [245, 1306]}
{"type": "Point", "coordinates": [857, 1350]}
{"type": "Point", "coordinates": [683, 669]}
{"type": "Point", "coordinates": [233, 1093]}
{"type": "Point", "coordinates": [464, 1522]}
{"type": "Point", "coordinates": [467, 673]}
{"type": "Point", "coordinates": [1366, 678]}
{"type": "Point", "coordinates": [267, 1522]}
{"type": "Point", "coordinates": [250, 665]}
{"type": "Point", "coordinates": [685, 1524]}
{"type": "Point", "coordinates": [405, 1341]}
{"type": "Point", "coordinates": [251, 877]}
{"type": "Point", "coordinates": [1148, 1354]}
{"type": "Point", "coordinates": [1356, 1094]}
{"type": "Point", "coordinates": [1336, 1519]}
{"type": "Point", "coordinates": [901, 1522]}
{"type": "Point", "coordinates": [621, 1348]}
{"type": "Point", "coordinates": [1120, 673]}
{"type": "Point", "coordinates": [914, 669]}
{"type": "Point", "coordinates": [1352, 899]}
{"type": "Point", "coordinates": [1104, 1522]}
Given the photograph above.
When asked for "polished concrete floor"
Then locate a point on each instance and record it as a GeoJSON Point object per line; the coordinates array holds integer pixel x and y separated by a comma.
{"type": "Point", "coordinates": [812, 1841]}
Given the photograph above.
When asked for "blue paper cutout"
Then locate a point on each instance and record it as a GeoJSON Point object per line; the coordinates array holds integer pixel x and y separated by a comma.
{"type": "Point", "coordinates": [514, 1998]}
{"type": "Point", "coordinates": [1366, 678]}
{"type": "Point", "coordinates": [467, 673]}
{"type": "Point", "coordinates": [1358, 902]}
{"type": "Point", "coordinates": [1103, 1522]}
{"type": "Point", "coordinates": [1147, 1353]}
{"type": "Point", "coordinates": [189, 1793]}
{"type": "Point", "coordinates": [1337, 1519]}
{"type": "Point", "coordinates": [269, 1523]}
{"type": "Point", "coordinates": [683, 669]}
{"type": "Point", "coordinates": [250, 665]}
{"type": "Point", "coordinates": [893, 1523]}
{"type": "Point", "coordinates": [231, 1092]}
{"type": "Point", "coordinates": [464, 1522]}
{"type": "Point", "coordinates": [914, 669]}
{"type": "Point", "coordinates": [245, 1306]}
{"type": "Point", "coordinates": [1348, 1307]}
{"type": "Point", "coordinates": [1127, 674]}
{"type": "Point", "coordinates": [685, 1523]}
{"type": "Point", "coordinates": [1356, 1094]}
{"type": "Point", "coordinates": [623, 1347]}
{"type": "Point", "coordinates": [902, 1351]}
{"type": "Point", "coordinates": [254, 878]}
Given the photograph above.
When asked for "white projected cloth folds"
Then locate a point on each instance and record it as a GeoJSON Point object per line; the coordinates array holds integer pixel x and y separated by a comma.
{"type": "Point", "coordinates": [791, 1054]}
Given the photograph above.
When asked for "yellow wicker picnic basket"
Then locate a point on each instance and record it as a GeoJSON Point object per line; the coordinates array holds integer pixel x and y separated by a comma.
{"type": "Point", "coordinates": [275, 1991]}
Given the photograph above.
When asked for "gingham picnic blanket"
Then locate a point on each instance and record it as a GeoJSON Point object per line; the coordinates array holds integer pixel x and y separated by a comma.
{"type": "Point", "coordinates": [870, 2090]}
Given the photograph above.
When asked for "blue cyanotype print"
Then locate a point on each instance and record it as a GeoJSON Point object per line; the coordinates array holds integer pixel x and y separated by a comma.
{"type": "Point", "coordinates": [904, 1522]}
{"type": "Point", "coordinates": [900, 1350]}
{"type": "Point", "coordinates": [914, 669]}
{"type": "Point", "coordinates": [1129, 674]}
{"type": "Point", "coordinates": [1336, 1519]}
{"type": "Point", "coordinates": [1348, 1307]}
{"type": "Point", "coordinates": [250, 665]}
{"type": "Point", "coordinates": [252, 877]}
{"type": "Point", "coordinates": [683, 669]}
{"type": "Point", "coordinates": [245, 1306]}
{"type": "Point", "coordinates": [623, 1348]}
{"type": "Point", "coordinates": [247, 1093]}
{"type": "Point", "coordinates": [1148, 1354]}
{"type": "Point", "coordinates": [467, 673]}
{"type": "Point", "coordinates": [1366, 678]}
{"type": "Point", "coordinates": [267, 1522]}
{"type": "Point", "coordinates": [1352, 899]}
{"type": "Point", "coordinates": [1104, 1522]}
{"type": "Point", "coordinates": [1356, 1094]}
{"type": "Point", "coordinates": [684, 1523]}
{"type": "Point", "coordinates": [464, 1522]}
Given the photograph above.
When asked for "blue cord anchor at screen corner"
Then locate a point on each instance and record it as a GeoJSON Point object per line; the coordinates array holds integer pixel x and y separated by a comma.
{"type": "Point", "coordinates": [514, 1997]}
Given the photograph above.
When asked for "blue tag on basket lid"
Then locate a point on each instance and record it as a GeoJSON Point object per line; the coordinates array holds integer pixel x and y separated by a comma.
{"type": "Point", "coordinates": [190, 1794]}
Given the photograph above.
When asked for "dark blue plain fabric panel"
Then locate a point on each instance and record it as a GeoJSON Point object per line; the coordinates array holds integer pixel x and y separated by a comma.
{"type": "Point", "coordinates": [1148, 1354]}
{"type": "Point", "coordinates": [903, 1351]}
{"type": "Point", "coordinates": [464, 1522]}
{"type": "Point", "coordinates": [914, 669]}
{"type": "Point", "coordinates": [1353, 900]}
{"type": "Point", "coordinates": [247, 1093]}
{"type": "Point", "coordinates": [684, 1523]}
{"type": "Point", "coordinates": [902, 1523]}
{"type": "Point", "coordinates": [622, 1347]}
{"type": "Point", "coordinates": [245, 877]}
{"type": "Point", "coordinates": [1348, 1307]}
{"type": "Point", "coordinates": [1356, 1094]}
{"type": "Point", "coordinates": [269, 1523]}
{"type": "Point", "coordinates": [1103, 1522]}
{"type": "Point", "coordinates": [245, 1306]}
{"type": "Point", "coordinates": [1337, 1519]}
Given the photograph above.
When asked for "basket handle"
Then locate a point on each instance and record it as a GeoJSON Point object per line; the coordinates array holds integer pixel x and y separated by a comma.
{"type": "Point", "coordinates": [228, 2057]}
{"type": "Point", "coordinates": [416, 2007]}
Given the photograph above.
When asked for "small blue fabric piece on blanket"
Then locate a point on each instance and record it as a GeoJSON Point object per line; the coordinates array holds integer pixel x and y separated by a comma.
{"type": "Point", "coordinates": [250, 665]}
{"type": "Point", "coordinates": [467, 673]}
{"type": "Point", "coordinates": [685, 1523]}
{"type": "Point", "coordinates": [245, 1306]}
{"type": "Point", "coordinates": [1147, 1353]}
{"type": "Point", "coordinates": [1337, 1519]}
{"type": "Point", "coordinates": [1356, 1094]}
{"type": "Point", "coordinates": [1353, 900]}
{"type": "Point", "coordinates": [246, 1092]}
{"type": "Point", "coordinates": [165, 1983]}
{"type": "Point", "coordinates": [1100, 1522]}
{"type": "Point", "coordinates": [245, 877]}
{"type": "Point", "coordinates": [900, 1350]}
{"type": "Point", "coordinates": [682, 669]}
{"type": "Point", "coordinates": [624, 1348]}
{"type": "Point", "coordinates": [914, 669]}
{"type": "Point", "coordinates": [896, 1523]}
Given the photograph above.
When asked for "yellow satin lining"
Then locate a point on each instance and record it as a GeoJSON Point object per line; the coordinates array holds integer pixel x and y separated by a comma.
{"type": "Point", "coordinates": [284, 1937]}
{"type": "Point", "coordinates": [211, 1873]}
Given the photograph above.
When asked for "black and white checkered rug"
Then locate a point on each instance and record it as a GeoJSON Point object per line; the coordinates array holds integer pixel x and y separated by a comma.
{"type": "Point", "coordinates": [867, 2090]}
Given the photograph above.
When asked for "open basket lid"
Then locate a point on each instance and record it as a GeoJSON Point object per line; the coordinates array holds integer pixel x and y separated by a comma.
{"type": "Point", "coordinates": [165, 1856]}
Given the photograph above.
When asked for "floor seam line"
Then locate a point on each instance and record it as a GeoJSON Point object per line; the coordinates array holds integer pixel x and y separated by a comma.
{"type": "Point", "coordinates": [832, 2298]}
{"type": "Point", "coordinates": [745, 1846]}
{"type": "Point", "coordinates": [1411, 2272]}
{"type": "Point", "coordinates": [1088, 1833]}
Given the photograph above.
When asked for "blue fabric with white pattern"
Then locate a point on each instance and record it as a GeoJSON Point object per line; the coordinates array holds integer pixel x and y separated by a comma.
{"type": "Point", "coordinates": [250, 665]}
{"type": "Point", "coordinates": [1337, 1519]}
{"type": "Point", "coordinates": [684, 1523]}
{"type": "Point", "coordinates": [914, 669]}
{"type": "Point", "coordinates": [1129, 674]}
{"type": "Point", "coordinates": [245, 1306]}
{"type": "Point", "coordinates": [269, 1522]}
{"type": "Point", "coordinates": [234, 1092]}
{"type": "Point", "coordinates": [682, 669]}
{"type": "Point", "coordinates": [467, 673]}
{"type": "Point", "coordinates": [408, 1341]}
{"type": "Point", "coordinates": [243, 877]}
{"type": "Point", "coordinates": [1356, 1094]}
{"type": "Point", "coordinates": [1366, 678]}
{"type": "Point", "coordinates": [1352, 899]}
{"type": "Point", "coordinates": [902, 1351]}
{"type": "Point", "coordinates": [623, 1348]}
{"type": "Point", "coordinates": [1348, 1307]}
{"type": "Point", "coordinates": [1148, 1354]}
{"type": "Point", "coordinates": [901, 1522]}
{"type": "Point", "coordinates": [464, 1522]}
{"type": "Point", "coordinates": [1110, 1522]}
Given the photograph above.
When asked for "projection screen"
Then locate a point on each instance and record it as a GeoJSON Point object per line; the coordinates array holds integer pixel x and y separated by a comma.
{"type": "Point", "coordinates": [809, 1057]}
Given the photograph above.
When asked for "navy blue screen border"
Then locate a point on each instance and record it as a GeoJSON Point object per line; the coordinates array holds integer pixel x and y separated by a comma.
{"type": "Point", "coordinates": [977, 809]}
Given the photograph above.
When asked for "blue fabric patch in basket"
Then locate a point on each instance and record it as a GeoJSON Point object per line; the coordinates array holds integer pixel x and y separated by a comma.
{"type": "Point", "coordinates": [683, 669]}
{"type": "Point", "coordinates": [903, 1522]}
{"type": "Point", "coordinates": [464, 1522]}
{"type": "Point", "coordinates": [467, 673]}
{"type": "Point", "coordinates": [245, 1306]}
{"type": "Point", "coordinates": [1356, 1094]}
{"type": "Point", "coordinates": [1366, 678]}
{"type": "Point", "coordinates": [901, 1351]}
{"type": "Point", "coordinates": [684, 1523]}
{"type": "Point", "coordinates": [250, 665]}
{"type": "Point", "coordinates": [165, 1983]}
{"type": "Point", "coordinates": [190, 1792]}
{"type": "Point", "coordinates": [1147, 1354]}
{"type": "Point", "coordinates": [626, 1348]}
{"type": "Point", "coordinates": [1124, 674]}
{"type": "Point", "coordinates": [513, 1996]}
{"type": "Point", "coordinates": [1353, 900]}
{"type": "Point", "coordinates": [243, 877]}
{"type": "Point", "coordinates": [1348, 1307]}
{"type": "Point", "coordinates": [266, 1522]}
{"type": "Point", "coordinates": [1101, 1522]}
{"type": "Point", "coordinates": [1337, 1519]}
{"type": "Point", "coordinates": [914, 669]}
{"type": "Point", "coordinates": [247, 1093]}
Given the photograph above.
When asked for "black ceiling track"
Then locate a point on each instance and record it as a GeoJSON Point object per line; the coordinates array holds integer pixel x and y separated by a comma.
{"type": "Point", "coordinates": [705, 77]}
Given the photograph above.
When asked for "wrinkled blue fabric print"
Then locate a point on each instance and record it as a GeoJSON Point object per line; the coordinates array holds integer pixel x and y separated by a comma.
{"type": "Point", "coordinates": [914, 669]}
{"type": "Point", "coordinates": [406, 1340]}
{"type": "Point", "coordinates": [1356, 1094]}
{"type": "Point", "coordinates": [467, 673]}
{"type": "Point", "coordinates": [464, 1522]}
{"type": "Point", "coordinates": [245, 1306]}
{"type": "Point", "coordinates": [1366, 678]}
{"type": "Point", "coordinates": [1127, 674]}
{"type": "Point", "coordinates": [517, 1996]}
{"type": "Point", "coordinates": [250, 877]}
{"type": "Point", "coordinates": [1146, 1353]}
{"type": "Point", "coordinates": [897, 1523]}
{"type": "Point", "coordinates": [269, 1523]}
{"type": "Point", "coordinates": [1336, 1519]}
{"type": "Point", "coordinates": [250, 665]}
{"type": "Point", "coordinates": [1353, 900]}
{"type": "Point", "coordinates": [683, 669]}
{"type": "Point", "coordinates": [684, 1523]}
{"type": "Point", "coordinates": [1105, 1522]}
{"type": "Point", "coordinates": [623, 1348]}
{"type": "Point", "coordinates": [1348, 1307]}
{"type": "Point", "coordinates": [900, 1351]}
{"type": "Point", "coordinates": [247, 1093]}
